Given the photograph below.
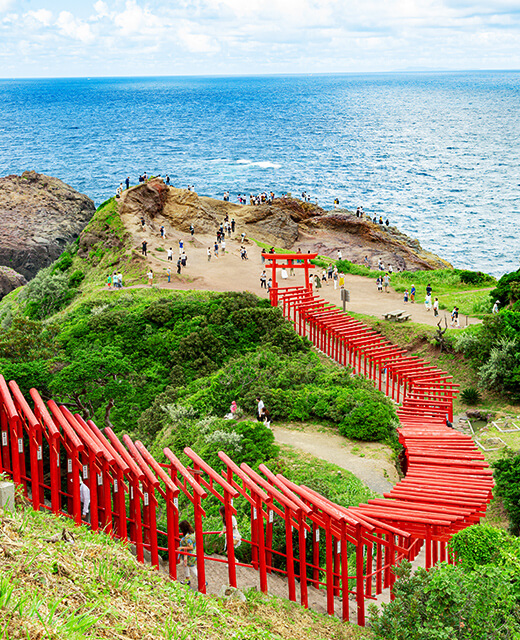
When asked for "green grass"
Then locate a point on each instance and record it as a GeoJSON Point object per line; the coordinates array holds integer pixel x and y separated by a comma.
{"type": "Point", "coordinates": [61, 582]}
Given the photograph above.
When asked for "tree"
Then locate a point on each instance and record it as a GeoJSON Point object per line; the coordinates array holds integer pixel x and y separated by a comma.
{"type": "Point", "coordinates": [94, 380]}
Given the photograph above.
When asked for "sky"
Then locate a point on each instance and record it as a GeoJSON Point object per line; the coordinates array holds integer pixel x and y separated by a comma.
{"type": "Point", "coordinates": [58, 38]}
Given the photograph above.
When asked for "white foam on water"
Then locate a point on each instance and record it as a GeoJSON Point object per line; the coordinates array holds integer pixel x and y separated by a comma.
{"type": "Point", "coordinates": [262, 164]}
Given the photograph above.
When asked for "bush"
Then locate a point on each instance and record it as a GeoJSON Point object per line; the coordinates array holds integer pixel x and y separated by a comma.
{"type": "Point", "coordinates": [76, 278]}
{"type": "Point", "coordinates": [481, 544]}
{"type": "Point", "coordinates": [471, 396]}
{"type": "Point", "coordinates": [506, 290]}
{"type": "Point", "coordinates": [507, 477]}
{"type": "Point", "coordinates": [46, 293]}
{"type": "Point", "coordinates": [448, 603]}
{"type": "Point", "coordinates": [369, 419]}
{"type": "Point", "coordinates": [63, 263]}
{"type": "Point", "coordinates": [475, 277]}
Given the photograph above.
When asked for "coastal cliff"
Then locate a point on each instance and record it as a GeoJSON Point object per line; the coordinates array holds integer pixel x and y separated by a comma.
{"type": "Point", "coordinates": [39, 217]}
{"type": "Point", "coordinates": [286, 222]}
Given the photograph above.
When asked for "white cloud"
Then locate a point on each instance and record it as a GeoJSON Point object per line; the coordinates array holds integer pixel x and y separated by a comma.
{"type": "Point", "coordinates": [101, 9]}
{"type": "Point", "coordinates": [135, 19]}
{"type": "Point", "coordinates": [74, 28]}
{"type": "Point", "coordinates": [43, 16]}
{"type": "Point", "coordinates": [194, 41]}
{"type": "Point", "coordinates": [5, 5]}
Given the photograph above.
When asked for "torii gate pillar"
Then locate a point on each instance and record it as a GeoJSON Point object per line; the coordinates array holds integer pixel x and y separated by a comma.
{"type": "Point", "coordinates": [288, 261]}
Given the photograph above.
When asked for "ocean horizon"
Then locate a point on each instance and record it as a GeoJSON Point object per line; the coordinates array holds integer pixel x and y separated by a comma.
{"type": "Point", "coordinates": [435, 151]}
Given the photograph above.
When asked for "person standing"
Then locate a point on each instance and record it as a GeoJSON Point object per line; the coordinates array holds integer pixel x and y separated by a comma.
{"type": "Point", "coordinates": [495, 306]}
{"type": "Point", "coordinates": [436, 307]}
{"type": "Point", "coordinates": [192, 229]}
{"type": "Point", "coordinates": [260, 408]}
{"type": "Point", "coordinates": [412, 293]}
{"type": "Point", "coordinates": [188, 544]}
{"type": "Point", "coordinates": [237, 539]}
{"type": "Point", "coordinates": [455, 317]}
{"type": "Point", "coordinates": [170, 254]}
{"type": "Point", "coordinates": [428, 290]}
{"type": "Point", "coordinates": [386, 282]}
{"type": "Point", "coordinates": [428, 302]}
{"type": "Point", "coordinates": [162, 231]}
{"type": "Point", "coordinates": [263, 280]}
{"type": "Point", "coordinates": [144, 246]}
{"type": "Point", "coordinates": [233, 225]}
{"type": "Point", "coordinates": [223, 244]}
{"type": "Point", "coordinates": [405, 297]}
{"type": "Point", "coordinates": [84, 498]}
{"type": "Point", "coordinates": [341, 280]}
{"type": "Point", "coordinates": [215, 249]}
{"type": "Point", "coordinates": [209, 254]}
{"type": "Point", "coordinates": [379, 282]}
{"type": "Point", "coordinates": [340, 255]}
{"type": "Point", "coordinates": [179, 266]}
{"type": "Point", "coordinates": [181, 246]}
{"type": "Point", "coordinates": [168, 273]}
{"type": "Point", "coordinates": [150, 277]}
{"type": "Point", "coordinates": [335, 277]}
{"type": "Point", "coordinates": [109, 281]}
{"type": "Point", "coordinates": [127, 182]}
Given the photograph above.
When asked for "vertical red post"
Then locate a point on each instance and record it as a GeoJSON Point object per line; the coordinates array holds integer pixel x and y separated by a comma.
{"type": "Point", "coordinates": [344, 572]}
{"type": "Point", "coordinates": [304, 599]}
{"type": "Point", "coordinates": [360, 595]}
{"type": "Point", "coordinates": [290, 555]}
{"type": "Point", "coordinates": [261, 545]}
{"type": "Point", "coordinates": [199, 538]}
{"type": "Point", "coordinates": [232, 569]}
{"type": "Point", "coordinates": [316, 555]}
{"type": "Point", "coordinates": [329, 565]}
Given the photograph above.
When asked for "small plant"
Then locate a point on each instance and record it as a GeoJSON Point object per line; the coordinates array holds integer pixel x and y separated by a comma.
{"type": "Point", "coordinates": [471, 396]}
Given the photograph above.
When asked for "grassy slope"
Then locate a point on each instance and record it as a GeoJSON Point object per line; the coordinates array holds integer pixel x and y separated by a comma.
{"type": "Point", "coordinates": [90, 586]}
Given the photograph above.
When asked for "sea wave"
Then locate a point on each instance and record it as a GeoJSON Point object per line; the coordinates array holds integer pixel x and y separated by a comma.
{"type": "Point", "coordinates": [262, 164]}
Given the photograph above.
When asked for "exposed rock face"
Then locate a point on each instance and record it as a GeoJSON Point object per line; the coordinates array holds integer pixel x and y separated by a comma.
{"type": "Point", "coordinates": [10, 280]}
{"type": "Point", "coordinates": [39, 217]}
{"type": "Point", "coordinates": [287, 223]}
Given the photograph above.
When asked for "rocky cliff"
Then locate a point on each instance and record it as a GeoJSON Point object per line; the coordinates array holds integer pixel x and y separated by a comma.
{"type": "Point", "coordinates": [39, 217]}
{"type": "Point", "coordinates": [287, 223]}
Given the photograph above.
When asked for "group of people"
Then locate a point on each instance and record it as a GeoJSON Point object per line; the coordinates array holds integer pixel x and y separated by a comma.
{"type": "Point", "coordinates": [116, 279]}
{"type": "Point", "coordinates": [383, 282]}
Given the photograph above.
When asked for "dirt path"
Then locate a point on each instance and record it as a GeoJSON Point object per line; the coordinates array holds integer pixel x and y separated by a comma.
{"type": "Point", "coordinates": [371, 464]}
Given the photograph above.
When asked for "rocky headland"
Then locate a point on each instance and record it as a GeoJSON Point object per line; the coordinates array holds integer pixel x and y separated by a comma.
{"type": "Point", "coordinates": [286, 222]}
{"type": "Point", "coordinates": [39, 217]}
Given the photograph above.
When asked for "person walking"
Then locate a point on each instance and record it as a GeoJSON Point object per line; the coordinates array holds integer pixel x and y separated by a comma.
{"type": "Point", "coordinates": [386, 282]}
{"type": "Point", "coordinates": [162, 231]}
{"type": "Point", "coordinates": [144, 247]}
{"type": "Point", "coordinates": [84, 498]}
{"type": "Point", "coordinates": [170, 254]}
{"type": "Point", "coordinates": [209, 254]}
{"type": "Point", "coordinates": [188, 544]}
{"type": "Point", "coordinates": [237, 538]}
{"type": "Point", "coordinates": [263, 280]}
{"type": "Point", "coordinates": [428, 302]}
{"type": "Point", "coordinates": [412, 293]}
{"type": "Point", "coordinates": [109, 281]}
{"type": "Point", "coordinates": [335, 277]}
{"type": "Point", "coordinates": [181, 246]}
{"type": "Point", "coordinates": [179, 266]}
{"type": "Point", "coordinates": [215, 249]}
{"type": "Point", "coordinates": [436, 307]}
{"type": "Point", "coordinates": [233, 225]}
{"type": "Point", "coordinates": [455, 317]}
{"type": "Point", "coordinates": [342, 280]}
{"type": "Point", "coordinates": [169, 273]}
{"type": "Point", "coordinates": [192, 229]}
{"type": "Point", "coordinates": [150, 277]}
{"type": "Point", "coordinates": [223, 244]}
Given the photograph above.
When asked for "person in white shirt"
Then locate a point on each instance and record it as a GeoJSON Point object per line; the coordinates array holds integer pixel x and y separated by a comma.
{"type": "Point", "coordinates": [237, 540]}
{"type": "Point", "coordinates": [260, 408]}
{"type": "Point", "coordinates": [84, 497]}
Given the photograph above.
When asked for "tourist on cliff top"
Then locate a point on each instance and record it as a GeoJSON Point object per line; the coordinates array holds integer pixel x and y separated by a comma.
{"type": "Point", "coordinates": [150, 277]}
{"type": "Point", "coordinates": [336, 203]}
{"type": "Point", "coordinates": [181, 246]}
{"type": "Point", "coordinates": [127, 182]}
{"type": "Point", "coordinates": [386, 282]}
{"type": "Point", "coordinates": [405, 296]}
{"type": "Point", "coordinates": [412, 293]}
{"type": "Point", "coordinates": [428, 290]}
{"type": "Point", "coordinates": [162, 231]}
{"type": "Point", "coordinates": [374, 219]}
{"type": "Point", "coordinates": [167, 180]}
{"type": "Point", "coordinates": [358, 212]}
{"type": "Point", "coordinates": [380, 219]}
{"type": "Point", "coordinates": [233, 225]}
{"type": "Point", "coordinates": [436, 307]}
{"type": "Point", "coordinates": [380, 265]}
{"type": "Point", "coordinates": [329, 271]}
{"type": "Point", "coordinates": [184, 259]}
{"type": "Point", "coordinates": [215, 249]}
{"type": "Point", "coordinates": [144, 246]}
{"type": "Point", "coordinates": [428, 302]}
{"type": "Point", "coordinates": [263, 280]}
{"type": "Point", "coordinates": [342, 280]}
{"type": "Point", "coordinates": [340, 255]}
{"type": "Point", "coordinates": [223, 245]}
{"type": "Point", "coordinates": [387, 222]}
{"type": "Point", "coordinates": [379, 282]}
{"type": "Point", "coordinates": [170, 253]}
{"type": "Point", "coordinates": [209, 254]}
{"type": "Point", "coordinates": [109, 281]}
{"type": "Point", "coordinates": [335, 277]}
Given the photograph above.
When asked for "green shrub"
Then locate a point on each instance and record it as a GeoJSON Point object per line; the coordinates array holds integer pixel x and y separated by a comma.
{"type": "Point", "coordinates": [475, 277]}
{"type": "Point", "coordinates": [471, 396]}
{"type": "Point", "coordinates": [482, 544]}
{"type": "Point", "coordinates": [63, 263]}
{"type": "Point", "coordinates": [506, 473]}
{"type": "Point", "coordinates": [76, 278]}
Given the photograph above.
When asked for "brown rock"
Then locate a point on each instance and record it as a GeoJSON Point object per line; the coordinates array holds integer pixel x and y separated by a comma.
{"type": "Point", "coordinates": [39, 217]}
{"type": "Point", "coordinates": [10, 280]}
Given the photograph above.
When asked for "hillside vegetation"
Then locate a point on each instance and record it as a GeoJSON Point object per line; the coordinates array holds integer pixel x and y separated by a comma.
{"type": "Point", "coordinates": [60, 582]}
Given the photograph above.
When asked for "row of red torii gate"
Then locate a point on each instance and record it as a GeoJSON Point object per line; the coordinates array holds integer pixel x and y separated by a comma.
{"type": "Point", "coordinates": [44, 448]}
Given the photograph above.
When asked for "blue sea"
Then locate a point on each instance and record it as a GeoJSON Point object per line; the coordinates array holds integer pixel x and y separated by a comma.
{"type": "Point", "coordinates": [436, 153]}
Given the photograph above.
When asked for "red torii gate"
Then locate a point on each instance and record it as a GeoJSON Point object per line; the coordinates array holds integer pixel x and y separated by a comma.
{"type": "Point", "coordinates": [288, 261]}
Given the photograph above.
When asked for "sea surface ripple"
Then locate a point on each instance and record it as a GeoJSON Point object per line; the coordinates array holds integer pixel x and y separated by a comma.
{"type": "Point", "coordinates": [437, 153]}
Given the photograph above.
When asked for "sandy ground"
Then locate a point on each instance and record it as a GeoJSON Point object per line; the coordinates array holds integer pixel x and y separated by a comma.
{"type": "Point", "coordinates": [229, 272]}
